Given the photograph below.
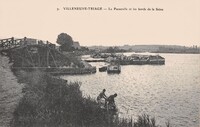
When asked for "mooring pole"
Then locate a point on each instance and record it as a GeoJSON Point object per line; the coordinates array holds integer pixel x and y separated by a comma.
{"type": "Point", "coordinates": [47, 54]}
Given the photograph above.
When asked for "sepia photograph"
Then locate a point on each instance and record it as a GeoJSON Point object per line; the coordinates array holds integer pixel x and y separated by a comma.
{"type": "Point", "coordinates": [99, 63]}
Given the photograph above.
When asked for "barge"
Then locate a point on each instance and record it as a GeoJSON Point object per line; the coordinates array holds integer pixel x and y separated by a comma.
{"type": "Point", "coordinates": [143, 60]}
{"type": "Point", "coordinates": [134, 59]}
{"type": "Point", "coordinates": [156, 60]}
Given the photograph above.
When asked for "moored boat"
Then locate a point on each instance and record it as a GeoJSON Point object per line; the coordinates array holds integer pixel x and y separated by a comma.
{"type": "Point", "coordinates": [157, 60]}
{"type": "Point", "coordinates": [114, 68]}
{"type": "Point", "coordinates": [103, 69]}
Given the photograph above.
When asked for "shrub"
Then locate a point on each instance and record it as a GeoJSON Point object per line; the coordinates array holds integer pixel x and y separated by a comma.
{"type": "Point", "coordinates": [53, 102]}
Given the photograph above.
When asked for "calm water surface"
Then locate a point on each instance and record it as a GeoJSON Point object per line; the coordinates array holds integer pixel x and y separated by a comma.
{"type": "Point", "coordinates": [167, 92]}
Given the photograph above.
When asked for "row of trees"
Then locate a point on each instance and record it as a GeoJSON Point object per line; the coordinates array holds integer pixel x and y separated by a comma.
{"type": "Point", "coordinates": [114, 50]}
{"type": "Point", "coordinates": [66, 44]}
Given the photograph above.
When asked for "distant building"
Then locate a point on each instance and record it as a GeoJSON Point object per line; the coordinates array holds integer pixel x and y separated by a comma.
{"type": "Point", "coordinates": [76, 45]}
{"type": "Point", "coordinates": [30, 41]}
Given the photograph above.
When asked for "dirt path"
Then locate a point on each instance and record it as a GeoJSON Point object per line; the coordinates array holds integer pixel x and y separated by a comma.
{"type": "Point", "coordinates": [10, 92]}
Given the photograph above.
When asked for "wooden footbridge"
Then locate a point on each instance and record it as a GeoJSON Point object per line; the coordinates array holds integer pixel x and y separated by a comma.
{"type": "Point", "coordinates": [28, 52]}
{"type": "Point", "coordinates": [10, 43]}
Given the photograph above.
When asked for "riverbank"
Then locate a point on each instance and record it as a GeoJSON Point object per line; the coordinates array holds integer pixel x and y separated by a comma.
{"type": "Point", "coordinates": [10, 92]}
{"type": "Point", "coordinates": [51, 101]}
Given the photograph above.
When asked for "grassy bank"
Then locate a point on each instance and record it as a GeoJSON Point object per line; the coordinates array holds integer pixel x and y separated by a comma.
{"type": "Point", "coordinates": [52, 102]}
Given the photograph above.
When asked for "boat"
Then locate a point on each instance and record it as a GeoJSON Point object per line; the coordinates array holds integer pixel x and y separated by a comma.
{"type": "Point", "coordinates": [103, 69]}
{"type": "Point", "coordinates": [114, 68]}
{"type": "Point", "coordinates": [143, 60]}
{"type": "Point", "coordinates": [156, 60]}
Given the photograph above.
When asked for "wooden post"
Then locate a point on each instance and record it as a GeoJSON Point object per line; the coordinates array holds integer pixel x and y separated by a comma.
{"type": "Point", "coordinates": [25, 40]}
{"type": "Point", "coordinates": [24, 56]}
{"type": "Point", "coordinates": [30, 57]}
{"type": "Point", "coordinates": [47, 57]}
{"type": "Point", "coordinates": [12, 42]}
{"type": "Point", "coordinates": [52, 58]}
{"type": "Point", "coordinates": [38, 54]}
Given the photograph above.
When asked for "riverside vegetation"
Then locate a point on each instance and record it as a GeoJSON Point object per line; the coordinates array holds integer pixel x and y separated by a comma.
{"type": "Point", "coordinates": [53, 102]}
{"type": "Point", "coordinates": [49, 101]}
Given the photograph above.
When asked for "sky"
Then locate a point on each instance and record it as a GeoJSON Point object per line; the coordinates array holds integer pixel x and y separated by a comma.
{"type": "Point", "coordinates": [177, 24]}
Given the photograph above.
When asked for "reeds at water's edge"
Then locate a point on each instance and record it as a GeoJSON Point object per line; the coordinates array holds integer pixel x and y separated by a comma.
{"type": "Point", "coordinates": [49, 101]}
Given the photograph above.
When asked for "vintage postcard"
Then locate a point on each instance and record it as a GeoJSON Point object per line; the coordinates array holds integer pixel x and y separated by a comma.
{"type": "Point", "coordinates": [99, 63]}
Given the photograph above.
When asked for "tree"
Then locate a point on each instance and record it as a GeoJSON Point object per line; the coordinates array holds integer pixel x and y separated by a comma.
{"type": "Point", "coordinates": [83, 48]}
{"type": "Point", "coordinates": [114, 50]}
{"type": "Point", "coordinates": [65, 41]}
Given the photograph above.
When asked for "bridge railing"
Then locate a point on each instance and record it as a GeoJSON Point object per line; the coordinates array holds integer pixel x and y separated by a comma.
{"type": "Point", "coordinates": [10, 43]}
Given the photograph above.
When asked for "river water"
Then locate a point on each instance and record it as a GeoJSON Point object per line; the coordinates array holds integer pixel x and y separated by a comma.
{"type": "Point", "coordinates": [166, 92]}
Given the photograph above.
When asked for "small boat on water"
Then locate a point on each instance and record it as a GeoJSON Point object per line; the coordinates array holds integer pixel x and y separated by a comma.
{"type": "Point", "coordinates": [114, 68]}
{"type": "Point", "coordinates": [103, 69]}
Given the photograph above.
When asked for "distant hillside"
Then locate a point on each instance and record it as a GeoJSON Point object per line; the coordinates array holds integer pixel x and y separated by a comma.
{"type": "Point", "coordinates": [137, 47]}
{"type": "Point", "coordinates": [98, 47]}
{"type": "Point", "coordinates": [153, 48]}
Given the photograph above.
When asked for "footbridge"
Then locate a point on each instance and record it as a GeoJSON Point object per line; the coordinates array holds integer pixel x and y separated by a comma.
{"type": "Point", "coordinates": [28, 52]}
